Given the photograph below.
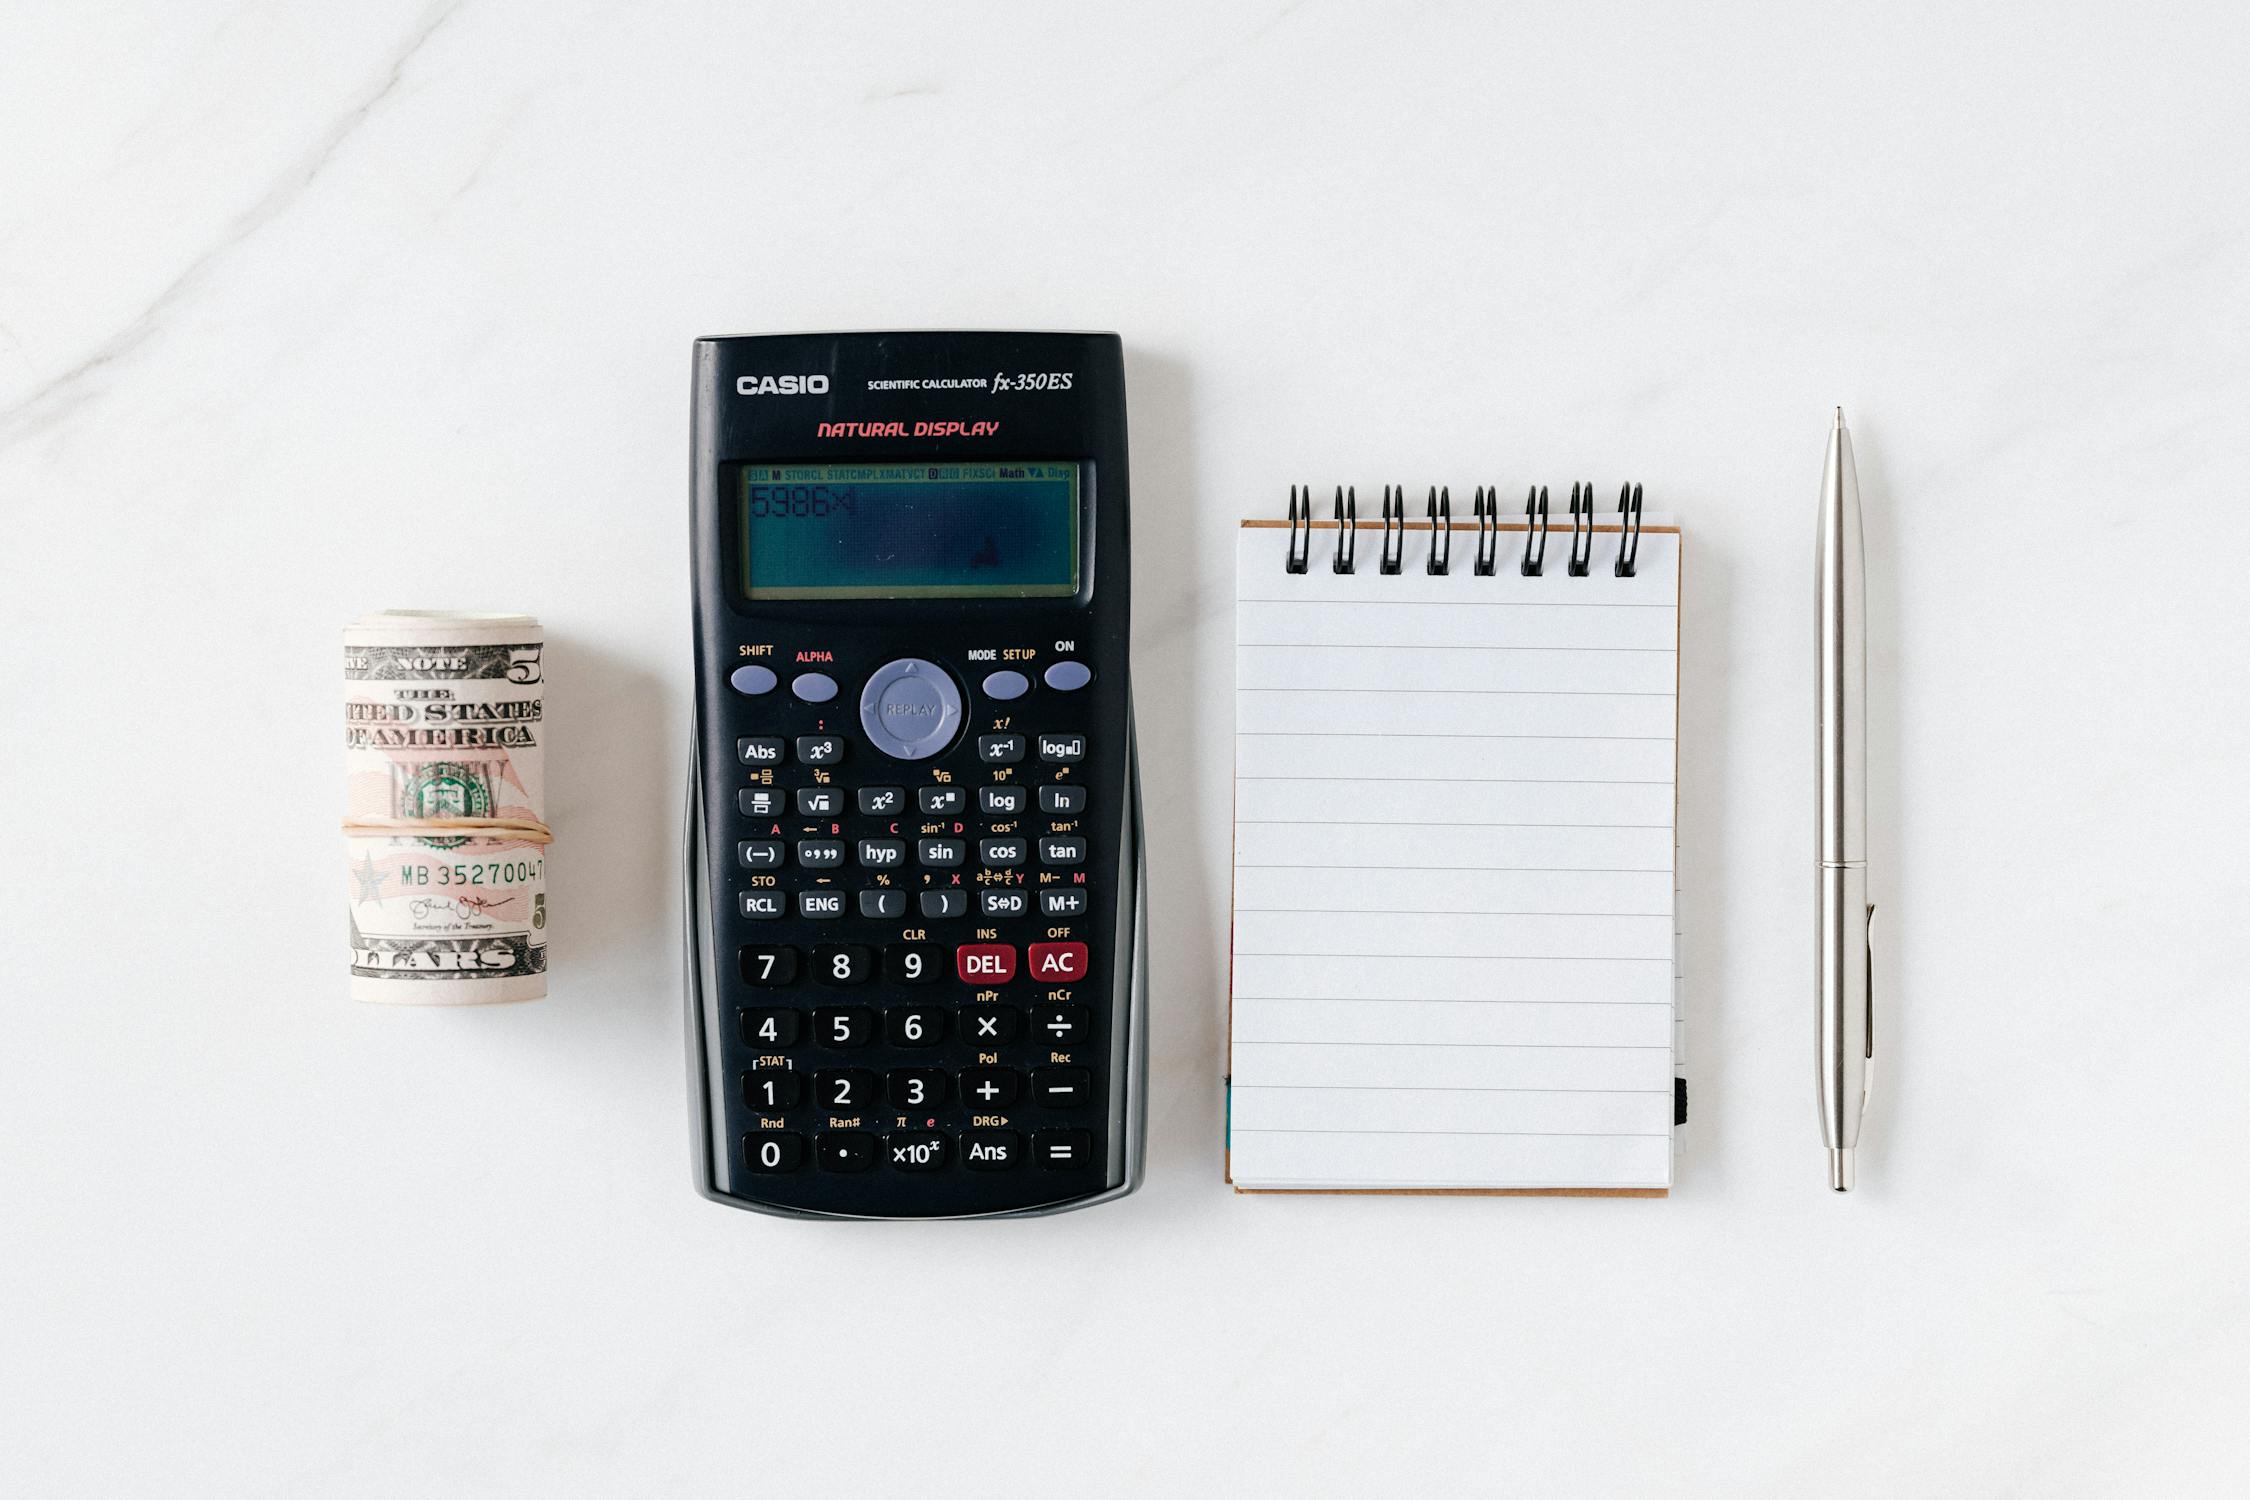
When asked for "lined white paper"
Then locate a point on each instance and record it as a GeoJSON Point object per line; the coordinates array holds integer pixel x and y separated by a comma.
{"type": "Point", "coordinates": [1454, 913]}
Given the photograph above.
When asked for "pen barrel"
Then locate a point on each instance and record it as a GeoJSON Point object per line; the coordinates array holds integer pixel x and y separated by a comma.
{"type": "Point", "coordinates": [1840, 607]}
{"type": "Point", "coordinates": [1844, 1038]}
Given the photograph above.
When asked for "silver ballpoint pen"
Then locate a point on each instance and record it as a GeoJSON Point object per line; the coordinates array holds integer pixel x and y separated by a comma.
{"type": "Point", "coordinates": [1845, 1029]}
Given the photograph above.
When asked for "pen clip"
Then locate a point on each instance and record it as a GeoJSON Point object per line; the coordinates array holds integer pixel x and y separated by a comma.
{"type": "Point", "coordinates": [1867, 1075]}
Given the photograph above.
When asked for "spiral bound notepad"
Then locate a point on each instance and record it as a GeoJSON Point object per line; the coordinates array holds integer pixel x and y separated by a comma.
{"type": "Point", "coordinates": [1454, 936]}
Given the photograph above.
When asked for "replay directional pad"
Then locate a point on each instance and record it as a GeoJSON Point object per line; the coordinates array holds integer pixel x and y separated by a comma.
{"type": "Point", "coordinates": [910, 708]}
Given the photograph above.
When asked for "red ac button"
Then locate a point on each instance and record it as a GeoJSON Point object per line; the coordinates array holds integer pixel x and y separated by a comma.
{"type": "Point", "coordinates": [1058, 963]}
{"type": "Point", "coordinates": [985, 963]}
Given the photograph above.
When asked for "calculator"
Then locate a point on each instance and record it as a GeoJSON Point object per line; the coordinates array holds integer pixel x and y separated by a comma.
{"type": "Point", "coordinates": [913, 856]}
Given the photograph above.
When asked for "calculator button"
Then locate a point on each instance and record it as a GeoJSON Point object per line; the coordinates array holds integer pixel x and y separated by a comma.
{"type": "Point", "coordinates": [913, 963]}
{"type": "Point", "coordinates": [1069, 676]}
{"type": "Point", "coordinates": [990, 1025]}
{"type": "Point", "coordinates": [990, 1088]}
{"type": "Point", "coordinates": [760, 802]}
{"type": "Point", "coordinates": [990, 1150]}
{"type": "Point", "coordinates": [761, 906]}
{"type": "Point", "coordinates": [910, 708]}
{"type": "Point", "coordinates": [844, 1150]}
{"type": "Point", "coordinates": [1009, 903]}
{"type": "Point", "coordinates": [915, 1150]}
{"type": "Point", "coordinates": [1059, 1025]}
{"type": "Point", "coordinates": [820, 854]}
{"type": "Point", "coordinates": [843, 1026]}
{"type": "Point", "coordinates": [1060, 1149]}
{"type": "Point", "coordinates": [1061, 849]}
{"type": "Point", "coordinates": [759, 750]}
{"type": "Point", "coordinates": [1062, 801]}
{"type": "Point", "coordinates": [774, 1088]}
{"type": "Point", "coordinates": [1060, 749]}
{"type": "Point", "coordinates": [985, 963]}
{"type": "Point", "coordinates": [1006, 685]}
{"type": "Point", "coordinates": [1066, 903]}
{"type": "Point", "coordinates": [819, 801]}
{"type": "Point", "coordinates": [882, 801]}
{"type": "Point", "coordinates": [842, 963]}
{"type": "Point", "coordinates": [813, 687]}
{"type": "Point", "coordinates": [882, 903]}
{"type": "Point", "coordinates": [847, 1088]}
{"type": "Point", "coordinates": [941, 853]}
{"type": "Point", "coordinates": [944, 903]}
{"type": "Point", "coordinates": [917, 1088]}
{"type": "Point", "coordinates": [1001, 854]}
{"type": "Point", "coordinates": [769, 966]}
{"type": "Point", "coordinates": [1057, 963]}
{"type": "Point", "coordinates": [773, 1150]}
{"type": "Point", "coordinates": [914, 1025]}
{"type": "Point", "coordinates": [772, 1028]}
{"type": "Point", "coordinates": [1001, 801]}
{"type": "Point", "coordinates": [999, 749]}
{"type": "Point", "coordinates": [750, 681]}
{"type": "Point", "coordinates": [758, 854]}
{"type": "Point", "coordinates": [882, 854]}
{"type": "Point", "coordinates": [819, 749]}
{"type": "Point", "coordinates": [941, 801]}
{"type": "Point", "coordinates": [820, 905]}
{"type": "Point", "coordinates": [1060, 1088]}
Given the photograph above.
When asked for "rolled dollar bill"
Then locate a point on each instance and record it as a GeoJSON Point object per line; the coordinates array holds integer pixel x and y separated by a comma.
{"type": "Point", "coordinates": [445, 803]}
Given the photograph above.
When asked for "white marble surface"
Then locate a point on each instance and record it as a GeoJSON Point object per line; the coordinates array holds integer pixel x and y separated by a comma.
{"type": "Point", "coordinates": [305, 310]}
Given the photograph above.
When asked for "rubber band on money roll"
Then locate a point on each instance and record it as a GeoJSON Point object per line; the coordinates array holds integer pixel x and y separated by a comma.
{"type": "Point", "coordinates": [519, 830]}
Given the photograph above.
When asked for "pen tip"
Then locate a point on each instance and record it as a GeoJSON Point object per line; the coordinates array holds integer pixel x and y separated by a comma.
{"type": "Point", "coordinates": [1839, 419]}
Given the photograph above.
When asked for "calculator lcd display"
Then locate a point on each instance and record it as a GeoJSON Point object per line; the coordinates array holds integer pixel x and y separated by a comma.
{"type": "Point", "coordinates": [909, 531]}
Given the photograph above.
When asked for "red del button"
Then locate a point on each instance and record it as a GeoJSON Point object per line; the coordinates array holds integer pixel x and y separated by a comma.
{"type": "Point", "coordinates": [985, 963]}
{"type": "Point", "coordinates": [1058, 963]}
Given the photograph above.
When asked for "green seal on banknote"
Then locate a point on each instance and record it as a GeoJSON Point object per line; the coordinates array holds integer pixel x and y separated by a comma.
{"type": "Point", "coordinates": [446, 789]}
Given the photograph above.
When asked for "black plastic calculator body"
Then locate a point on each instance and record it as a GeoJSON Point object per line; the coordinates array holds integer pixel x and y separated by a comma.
{"type": "Point", "coordinates": [913, 850]}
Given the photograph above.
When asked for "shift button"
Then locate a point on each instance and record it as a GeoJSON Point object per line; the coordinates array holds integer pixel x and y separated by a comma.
{"type": "Point", "coordinates": [1069, 676]}
{"type": "Point", "coordinates": [752, 680]}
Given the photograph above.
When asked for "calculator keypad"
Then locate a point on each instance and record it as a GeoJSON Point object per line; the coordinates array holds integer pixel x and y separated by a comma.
{"type": "Point", "coordinates": [921, 984]}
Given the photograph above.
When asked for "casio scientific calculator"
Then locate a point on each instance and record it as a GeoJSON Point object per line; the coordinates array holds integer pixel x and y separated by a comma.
{"type": "Point", "coordinates": [914, 866]}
